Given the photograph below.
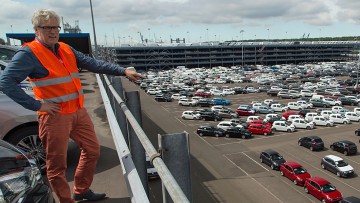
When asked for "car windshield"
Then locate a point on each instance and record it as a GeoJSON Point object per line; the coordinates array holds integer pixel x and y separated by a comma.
{"type": "Point", "coordinates": [276, 157]}
{"type": "Point", "coordinates": [299, 170]}
{"type": "Point", "coordinates": [318, 140]}
{"type": "Point", "coordinates": [341, 163]}
{"type": "Point", "coordinates": [328, 188]}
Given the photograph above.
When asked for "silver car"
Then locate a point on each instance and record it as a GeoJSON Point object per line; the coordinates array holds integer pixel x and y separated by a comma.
{"type": "Point", "coordinates": [19, 126]}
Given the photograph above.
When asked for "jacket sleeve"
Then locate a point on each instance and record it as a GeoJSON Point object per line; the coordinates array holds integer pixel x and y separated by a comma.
{"type": "Point", "coordinates": [97, 66]}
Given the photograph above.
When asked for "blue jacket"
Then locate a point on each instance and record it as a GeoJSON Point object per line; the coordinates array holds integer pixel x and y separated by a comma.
{"type": "Point", "coordinates": [25, 64]}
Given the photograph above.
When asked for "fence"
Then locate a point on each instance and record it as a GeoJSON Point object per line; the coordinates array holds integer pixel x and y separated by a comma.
{"type": "Point", "coordinates": [124, 116]}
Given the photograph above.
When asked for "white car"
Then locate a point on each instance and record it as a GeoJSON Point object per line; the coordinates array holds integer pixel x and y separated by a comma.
{"type": "Point", "coordinates": [228, 92]}
{"type": "Point", "coordinates": [251, 118]}
{"type": "Point", "coordinates": [332, 102]}
{"type": "Point", "coordinates": [309, 116]}
{"type": "Point", "coordinates": [257, 105]}
{"type": "Point", "coordinates": [302, 123]}
{"type": "Point", "coordinates": [187, 102]}
{"type": "Point", "coordinates": [271, 115]}
{"type": "Point", "coordinates": [337, 165]}
{"type": "Point", "coordinates": [153, 91]}
{"type": "Point", "coordinates": [217, 107]}
{"type": "Point", "coordinates": [304, 104]}
{"type": "Point", "coordinates": [352, 116]}
{"type": "Point", "coordinates": [227, 124]}
{"type": "Point", "coordinates": [217, 93]}
{"type": "Point", "coordinates": [268, 101]}
{"type": "Point", "coordinates": [306, 93]}
{"type": "Point", "coordinates": [338, 118]}
{"type": "Point", "coordinates": [357, 110]}
{"type": "Point", "coordinates": [191, 115]}
{"type": "Point", "coordinates": [177, 96]}
{"type": "Point", "coordinates": [292, 117]}
{"type": "Point", "coordinates": [335, 109]}
{"type": "Point", "coordinates": [283, 126]}
{"type": "Point", "coordinates": [252, 90]}
{"type": "Point", "coordinates": [326, 113]}
{"type": "Point", "coordinates": [294, 106]}
{"type": "Point", "coordinates": [321, 120]}
{"type": "Point", "coordinates": [279, 107]}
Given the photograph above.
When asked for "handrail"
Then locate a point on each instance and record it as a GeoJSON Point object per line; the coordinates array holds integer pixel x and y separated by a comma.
{"type": "Point", "coordinates": [168, 180]}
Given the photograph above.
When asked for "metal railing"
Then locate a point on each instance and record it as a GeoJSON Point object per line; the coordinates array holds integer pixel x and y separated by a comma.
{"type": "Point", "coordinates": [136, 189]}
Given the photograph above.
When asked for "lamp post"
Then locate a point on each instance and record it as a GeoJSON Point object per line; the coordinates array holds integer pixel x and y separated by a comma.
{"type": "Point", "coordinates": [93, 24]}
{"type": "Point", "coordinates": [242, 47]}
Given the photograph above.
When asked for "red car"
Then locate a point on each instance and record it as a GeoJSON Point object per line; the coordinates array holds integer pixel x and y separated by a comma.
{"type": "Point", "coordinates": [260, 121]}
{"type": "Point", "coordinates": [322, 189]}
{"type": "Point", "coordinates": [245, 111]}
{"type": "Point", "coordinates": [295, 172]}
{"type": "Point", "coordinates": [288, 113]}
{"type": "Point", "coordinates": [260, 129]}
{"type": "Point", "coordinates": [202, 94]}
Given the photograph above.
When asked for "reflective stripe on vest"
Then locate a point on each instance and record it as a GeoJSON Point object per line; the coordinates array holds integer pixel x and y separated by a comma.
{"type": "Point", "coordinates": [62, 85]}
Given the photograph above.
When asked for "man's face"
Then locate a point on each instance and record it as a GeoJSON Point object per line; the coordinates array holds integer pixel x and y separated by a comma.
{"type": "Point", "coordinates": [48, 32]}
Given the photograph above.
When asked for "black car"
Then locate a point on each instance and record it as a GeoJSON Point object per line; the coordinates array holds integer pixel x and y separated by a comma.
{"type": "Point", "coordinates": [272, 92]}
{"type": "Point", "coordinates": [240, 122]}
{"type": "Point", "coordinates": [238, 132]}
{"type": "Point", "coordinates": [303, 112]}
{"type": "Point", "coordinates": [21, 180]}
{"type": "Point", "coordinates": [240, 90]}
{"type": "Point", "coordinates": [211, 116]}
{"type": "Point", "coordinates": [344, 146]}
{"type": "Point", "coordinates": [319, 103]}
{"type": "Point", "coordinates": [272, 158]}
{"type": "Point", "coordinates": [204, 102]}
{"type": "Point", "coordinates": [348, 101]}
{"type": "Point", "coordinates": [311, 142]}
{"type": "Point", "coordinates": [350, 199]}
{"type": "Point", "coordinates": [163, 98]}
{"type": "Point", "coordinates": [209, 130]}
{"type": "Point", "coordinates": [357, 132]}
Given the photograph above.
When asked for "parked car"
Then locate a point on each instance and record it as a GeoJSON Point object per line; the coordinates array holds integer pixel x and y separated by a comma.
{"type": "Point", "coordinates": [332, 102]}
{"type": "Point", "coordinates": [295, 172]}
{"type": "Point", "coordinates": [19, 126]}
{"type": "Point", "coordinates": [163, 98]}
{"type": "Point", "coordinates": [352, 116]}
{"type": "Point", "coordinates": [21, 180]}
{"type": "Point", "coordinates": [309, 116]}
{"type": "Point", "coordinates": [202, 94]}
{"type": "Point", "coordinates": [227, 124]}
{"type": "Point", "coordinates": [344, 146]}
{"type": "Point", "coordinates": [283, 126]}
{"type": "Point", "coordinates": [279, 107]}
{"type": "Point", "coordinates": [187, 102]}
{"type": "Point", "coordinates": [338, 118]}
{"type": "Point", "coordinates": [357, 132]}
{"type": "Point", "coordinates": [319, 103]}
{"type": "Point", "coordinates": [261, 121]}
{"type": "Point", "coordinates": [260, 129]}
{"type": "Point", "coordinates": [272, 158]}
{"type": "Point", "coordinates": [272, 92]}
{"type": "Point", "coordinates": [305, 104]}
{"type": "Point", "coordinates": [211, 116]}
{"type": "Point", "coordinates": [245, 111]}
{"type": "Point", "coordinates": [322, 190]}
{"type": "Point", "coordinates": [321, 120]}
{"type": "Point", "coordinates": [204, 102]}
{"type": "Point", "coordinates": [337, 165]}
{"type": "Point", "coordinates": [302, 123]}
{"type": "Point", "coordinates": [228, 113]}
{"type": "Point", "coordinates": [294, 106]}
{"type": "Point", "coordinates": [220, 101]}
{"type": "Point", "coordinates": [264, 110]}
{"type": "Point", "coordinates": [286, 114]}
{"type": "Point", "coordinates": [238, 132]}
{"type": "Point", "coordinates": [208, 130]}
{"type": "Point", "coordinates": [348, 101]}
{"type": "Point", "coordinates": [293, 116]}
{"type": "Point", "coordinates": [191, 115]}
{"type": "Point", "coordinates": [311, 142]}
{"type": "Point", "coordinates": [350, 199]}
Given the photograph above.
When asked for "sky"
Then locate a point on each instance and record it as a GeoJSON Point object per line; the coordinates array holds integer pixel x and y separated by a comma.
{"type": "Point", "coordinates": [123, 21]}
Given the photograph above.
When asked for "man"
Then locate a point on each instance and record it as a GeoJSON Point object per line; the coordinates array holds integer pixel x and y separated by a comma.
{"type": "Point", "coordinates": [51, 67]}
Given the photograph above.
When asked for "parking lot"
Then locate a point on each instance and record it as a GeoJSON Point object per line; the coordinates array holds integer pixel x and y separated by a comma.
{"type": "Point", "coordinates": [235, 164]}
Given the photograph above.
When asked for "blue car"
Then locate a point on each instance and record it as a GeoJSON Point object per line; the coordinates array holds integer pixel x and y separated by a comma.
{"type": "Point", "coordinates": [220, 101]}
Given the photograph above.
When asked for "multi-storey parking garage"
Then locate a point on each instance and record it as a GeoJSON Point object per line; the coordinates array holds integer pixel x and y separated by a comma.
{"type": "Point", "coordinates": [160, 56]}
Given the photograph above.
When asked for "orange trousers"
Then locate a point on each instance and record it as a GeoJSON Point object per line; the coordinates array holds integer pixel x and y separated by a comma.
{"type": "Point", "coordinates": [54, 132]}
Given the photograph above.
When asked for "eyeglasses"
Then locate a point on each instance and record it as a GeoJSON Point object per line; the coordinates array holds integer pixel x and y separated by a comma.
{"type": "Point", "coordinates": [49, 28]}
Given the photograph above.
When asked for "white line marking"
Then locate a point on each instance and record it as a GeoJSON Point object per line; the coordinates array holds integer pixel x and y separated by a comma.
{"type": "Point", "coordinates": [257, 182]}
{"type": "Point", "coordinates": [180, 121]}
{"type": "Point", "coordinates": [255, 161]}
{"type": "Point", "coordinates": [203, 139]}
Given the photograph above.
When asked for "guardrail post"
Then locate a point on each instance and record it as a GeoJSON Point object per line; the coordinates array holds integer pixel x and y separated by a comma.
{"type": "Point", "coordinates": [136, 149]}
{"type": "Point", "coordinates": [175, 154]}
{"type": "Point", "coordinates": [119, 113]}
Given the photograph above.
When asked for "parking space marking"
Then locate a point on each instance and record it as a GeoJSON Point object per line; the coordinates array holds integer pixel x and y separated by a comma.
{"type": "Point", "coordinates": [180, 121]}
{"type": "Point", "coordinates": [254, 161]}
{"type": "Point", "coordinates": [257, 182]}
{"type": "Point", "coordinates": [203, 139]}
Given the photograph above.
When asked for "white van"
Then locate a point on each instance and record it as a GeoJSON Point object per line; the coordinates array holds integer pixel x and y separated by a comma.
{"type": "Point", "coordinates": [317, 96]}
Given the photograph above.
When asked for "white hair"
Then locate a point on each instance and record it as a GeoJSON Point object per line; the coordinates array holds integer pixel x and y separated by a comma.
{"type": "Point", "coordinates": [43, 15]}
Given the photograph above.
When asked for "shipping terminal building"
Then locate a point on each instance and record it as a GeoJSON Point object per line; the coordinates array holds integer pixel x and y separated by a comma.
{"type": "Point", "coordinates": [147, 56]}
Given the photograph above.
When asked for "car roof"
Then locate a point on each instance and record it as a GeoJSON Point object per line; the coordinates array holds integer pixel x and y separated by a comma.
{"type": "Point", "coordinates": [319, 180]}
{"type": "Point", "coordinates": [270, 151]}
{"type": "Point", "coordinates": [347, 142]}
{"type": "Point", "coordinates": [333, 157]}
{"type": "Point", "coordinates": [292, 164]}
{"type": "Point", "coordinates": [313, 137]}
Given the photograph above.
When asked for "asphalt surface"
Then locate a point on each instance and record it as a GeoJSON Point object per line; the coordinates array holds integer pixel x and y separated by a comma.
{"type": "Point", "coordinates": [222, 169]}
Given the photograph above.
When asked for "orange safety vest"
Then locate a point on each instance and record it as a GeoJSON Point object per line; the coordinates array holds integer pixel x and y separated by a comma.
{"type": "Point", "coordinates": [62, 85]}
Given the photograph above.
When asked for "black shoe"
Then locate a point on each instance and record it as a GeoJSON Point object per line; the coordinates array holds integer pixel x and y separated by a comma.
{"type": "Point", "coordinates": [89, 195]}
